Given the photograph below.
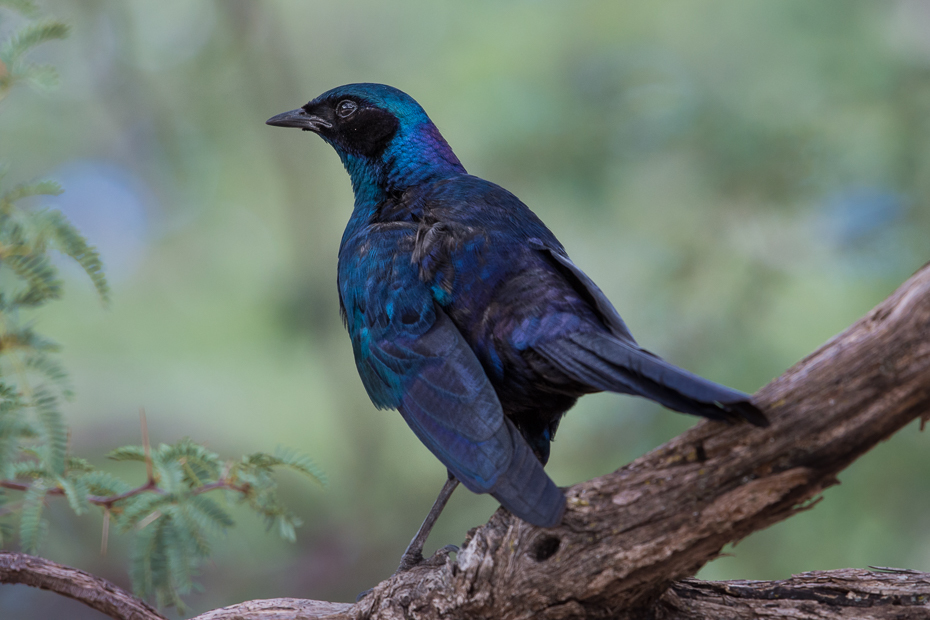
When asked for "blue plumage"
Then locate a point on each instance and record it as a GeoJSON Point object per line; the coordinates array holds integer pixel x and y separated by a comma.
{"type": "Point", "coordinates": [465, 312]}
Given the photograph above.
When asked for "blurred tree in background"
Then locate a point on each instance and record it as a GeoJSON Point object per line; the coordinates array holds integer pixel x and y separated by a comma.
{"type": "Point", "coordinates": [743, 179]}
{"type": "Point", "coordinates": [171, 516]}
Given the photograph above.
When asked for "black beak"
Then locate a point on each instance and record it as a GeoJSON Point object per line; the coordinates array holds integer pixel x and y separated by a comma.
{"type": "Point", "coordinates": [299, 118]}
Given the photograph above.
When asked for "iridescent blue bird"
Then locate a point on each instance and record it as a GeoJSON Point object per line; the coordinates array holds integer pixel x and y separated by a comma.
{"type": "Point", "coordinates": [466, 313]}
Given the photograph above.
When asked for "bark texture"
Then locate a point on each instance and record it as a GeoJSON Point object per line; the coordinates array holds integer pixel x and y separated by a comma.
{"type": "Point", "coordinates": [848, 594]}
{"type": "Point", "coordinates": [74, 583]}
{"type": "Point", "coordinates": [821, 595]}
{"type": "Point", "coordinates": [279, 609]}
{"type": "Point", "coordinates": [627, 537]}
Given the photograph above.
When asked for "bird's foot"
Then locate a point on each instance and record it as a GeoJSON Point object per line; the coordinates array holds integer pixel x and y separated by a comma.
{"type": "Point", "coordinates": [410, 560]}
{"type": "Point", "coordinates": [414, 559]}
{"type": "Point", "coordinates": [439, 558]}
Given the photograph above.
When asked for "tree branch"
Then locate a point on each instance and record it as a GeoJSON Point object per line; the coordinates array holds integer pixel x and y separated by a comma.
{"type": "Point", "coordinates": [845, 594]}
{"type": "Point", "coordinates": [819, 595]}
{"type": "Point", "coordinates": [628, 536]}
{"type": "Point", "coordinates": [74, 583]}
{"type": "Point", "coordinates": [280, 609]}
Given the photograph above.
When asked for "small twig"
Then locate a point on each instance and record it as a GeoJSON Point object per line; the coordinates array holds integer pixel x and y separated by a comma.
{"type": "Point", "coordinates": [21, 486]}
{"type": "Point", "coordinates": [105, 502]}
{"type": "Point", "coordinates": [149, 469]}
{"type": "Point", "coordinates": [148, 520]}
{"type": "Point", "coordinates": [222, 483]}
{"type": "Point", "coordinates": [105, 535]}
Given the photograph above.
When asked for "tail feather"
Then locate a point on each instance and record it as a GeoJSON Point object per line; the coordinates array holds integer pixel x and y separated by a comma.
{"type": "Point", "coordinates": [606, 363]}
{"type": "Point", "coordinates": [524, 488]}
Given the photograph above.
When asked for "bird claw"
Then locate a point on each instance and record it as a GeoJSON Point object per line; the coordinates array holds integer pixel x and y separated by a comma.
{"type": "Point", "coordinates": [409, 560]}
{"type": "Point", "coordinates": [416, 559]}
{"type": "Point", "coordinates": [439, 558]}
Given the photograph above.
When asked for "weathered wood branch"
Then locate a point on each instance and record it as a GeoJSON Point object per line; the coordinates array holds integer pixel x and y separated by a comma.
{"type": "Point", "coordinates": [822, 595]}
{"type": "Point", "coordinates": [74, 583]}
{"type": "Point", "coordinates": [845, 594]}
{"type": "Point", "coordinates": [629, 536]}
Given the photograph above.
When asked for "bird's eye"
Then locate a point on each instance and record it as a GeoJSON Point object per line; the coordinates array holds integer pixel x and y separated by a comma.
{"type": "Point", "coordinates": [346, 108]}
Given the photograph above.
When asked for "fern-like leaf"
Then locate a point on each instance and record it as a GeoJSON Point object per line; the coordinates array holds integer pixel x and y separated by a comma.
{"type": "Point", "coordinates": [147, 562]}
{"type": "Point", "coordinates": [69, 241]}
{"type": "Point", "coordinates": [164, 560]}
{"type": "Point", "coordinates": [192, 529]}
{"type": "Point", "coordinates": [127, 453]}
{"type": "Point", "coordinates": [140, 508]}
{"type": "Point", "coordinates": [50, 370]}
{"type": "Point", "coordinates": [32, 526]}
{"type": "Point", "coordinates": [26, 8]}
{"type": "Point", "coordinates": [54, 430]}
{"type": "Point", "coordinates": [29, 469]}
{"type": "Point", "coordinates": [301, 463]}
{"type": "Point", "coordinates": [26, 340]}
{"type": "Point", "coordinates": [39, 188]}
{"type": "Point", "coordinates": [77, 465]}
{"type": "Point", "coordinates": [104, 484]}
{"type": "Point", "coordinates": [198, 464]}
{"type": "Point", "coordinates": [209, 514]}
{"type": "Point", "coordinates": [169, 472]}
{"type": "Point", "coordinates": [28, 37]}
{"type": "Point", "coordinates": [42, 77]}
{"type": "Point", "coordinates": [40, 276]}
{"type": "Point", "coordinates": [76, 491]}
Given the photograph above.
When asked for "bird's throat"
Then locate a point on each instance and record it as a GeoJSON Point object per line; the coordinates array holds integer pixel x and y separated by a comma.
{"type": "Point", "coordinates": [414, 157]}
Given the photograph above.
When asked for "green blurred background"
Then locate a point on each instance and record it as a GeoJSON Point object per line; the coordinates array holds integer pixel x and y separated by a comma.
{"type": "Point", "coordinates": [744, 179]}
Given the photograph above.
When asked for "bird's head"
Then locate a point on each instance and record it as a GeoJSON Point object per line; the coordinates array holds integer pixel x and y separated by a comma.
{"type": "Point", "coordinates": [384, 138]}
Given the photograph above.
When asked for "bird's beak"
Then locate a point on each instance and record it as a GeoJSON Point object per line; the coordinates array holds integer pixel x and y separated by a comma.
{"type": "Point", "coordinates": [299, 118]}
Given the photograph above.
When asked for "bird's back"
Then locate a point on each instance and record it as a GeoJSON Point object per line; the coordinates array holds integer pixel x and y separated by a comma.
{"type": "Point", "coordinates": [487, 260]}
{"type": "Point", "coordinates": [542, 330]}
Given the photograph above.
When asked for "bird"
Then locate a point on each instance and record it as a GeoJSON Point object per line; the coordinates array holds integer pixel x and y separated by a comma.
{"type": "Point", "coordinates": [467, 315]}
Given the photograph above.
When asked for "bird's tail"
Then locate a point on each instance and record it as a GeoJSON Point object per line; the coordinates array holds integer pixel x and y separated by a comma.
{"type": "Point", "coordinates": [606, 363]}
{"type": "Point", "coordinates": [524, 488]}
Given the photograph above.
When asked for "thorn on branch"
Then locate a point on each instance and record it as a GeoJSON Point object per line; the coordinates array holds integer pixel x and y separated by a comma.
{"type": "Point", "coordinates": [106, 531]}
{"type": "Point", "coordinates": [148, 520]}
{"type": "Point", "coordinates": [149, 469]}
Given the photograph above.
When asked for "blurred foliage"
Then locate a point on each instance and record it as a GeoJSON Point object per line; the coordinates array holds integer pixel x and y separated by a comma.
{"type": "Point", "coordinates": [13, 65]}
{"type": "Point", "coordinates": [172, 526]}
{"type": "Point", "coordinates": [744, 179]}
{"type": "Point", "coordinates": [169, 517]}
{"type": "Point", "coordinates": [33, 436]}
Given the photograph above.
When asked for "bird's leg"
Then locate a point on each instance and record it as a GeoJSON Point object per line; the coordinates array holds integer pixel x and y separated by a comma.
{"type": "Point", "coordinates": [414, 553]}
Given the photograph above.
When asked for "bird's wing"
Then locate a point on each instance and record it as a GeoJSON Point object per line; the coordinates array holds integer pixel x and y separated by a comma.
{"type": "Point", "coordinates": [615, 362]}
{"type": "Point", "coordinates": [450, 405]}
{"type": "Point", "coordinates": [586, 287]}
{"type": "Point", "coordinates": [412, 357]}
